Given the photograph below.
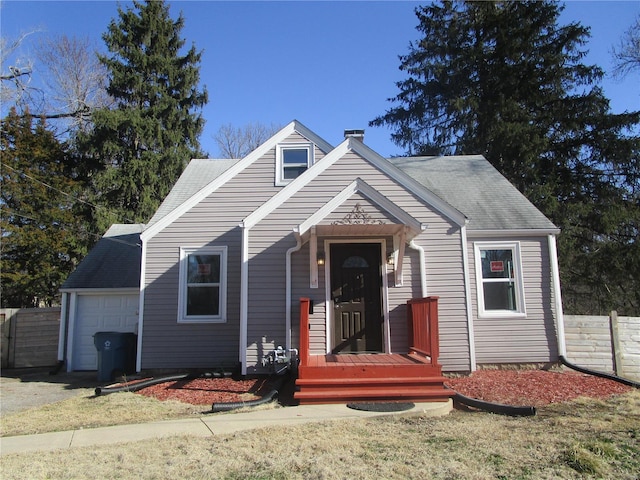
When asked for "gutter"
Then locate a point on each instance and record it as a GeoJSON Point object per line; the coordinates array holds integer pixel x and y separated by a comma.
{"type": "Point", "coordinates": [423, 268]}
{"type": "Point", "coordinates": [557, 294]}
{"type": "Point", "coordinates": [244, 296]}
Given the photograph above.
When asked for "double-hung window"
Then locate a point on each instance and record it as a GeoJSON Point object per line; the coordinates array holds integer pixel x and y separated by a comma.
{"type": "Point", "coordinates": [203, 278]}
{"type": "Point", "coordinates": [499, 279]}
{"type": "Point", "coordinates": [292, 160]}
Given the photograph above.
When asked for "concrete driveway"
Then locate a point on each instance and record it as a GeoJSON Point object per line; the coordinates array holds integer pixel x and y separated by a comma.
{"type": "Point", "coordinates": [22, 389]}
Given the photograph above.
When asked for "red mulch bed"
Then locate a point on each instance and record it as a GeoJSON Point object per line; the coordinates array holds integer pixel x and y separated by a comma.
{"type": "Point", "coordinates": [206, 391]}
{"type": "Point", "coordinates": [533, 387]}
{"type": "Point", "coordinates": [510, 387]}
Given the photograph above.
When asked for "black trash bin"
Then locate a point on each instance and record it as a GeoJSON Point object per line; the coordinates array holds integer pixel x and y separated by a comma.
{"type": "Point", "coordinates": [116, 354]}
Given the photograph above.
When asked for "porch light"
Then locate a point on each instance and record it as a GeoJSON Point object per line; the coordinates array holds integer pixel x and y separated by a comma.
{"type": "Point", "coordinates": [390, 259]}
{"type": "Point", "coordinates": [320, 258]}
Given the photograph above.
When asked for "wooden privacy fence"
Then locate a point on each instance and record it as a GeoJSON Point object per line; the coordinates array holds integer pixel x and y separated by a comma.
{"type": "Point", "coordinates": [606, 343]}
{"type": "Point", "coordinates": [29, 337]}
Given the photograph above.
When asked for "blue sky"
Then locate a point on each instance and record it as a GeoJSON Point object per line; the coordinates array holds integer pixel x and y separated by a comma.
{"type": "Point", "coordinates": [330, 65]}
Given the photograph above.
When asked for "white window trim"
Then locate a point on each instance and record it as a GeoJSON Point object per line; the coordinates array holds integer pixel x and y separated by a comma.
{"type": "Point", "coordinates": [280, 180]}
{"type": "Point", "coordinates": [520, 311]}
{"type": "Point", "coordinates": [182, 291]}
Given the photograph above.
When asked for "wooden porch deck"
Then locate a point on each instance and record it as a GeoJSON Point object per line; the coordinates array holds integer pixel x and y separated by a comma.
{"type": "Point", "coordinates": [362, 359]}
{"type": "Point", "coordinates": [341, 378]}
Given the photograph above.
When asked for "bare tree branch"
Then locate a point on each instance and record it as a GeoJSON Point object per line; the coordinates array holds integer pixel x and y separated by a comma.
{"type": "Point", "coordinates": [72, 80]}
{"type": "Point", "coordinates": [238, 142]}
{"type": "Point", "coordinates": [627, 53]}
{"type": "Point", "coordinates": [75, 78]}
{"type": "Point", "coordinates": [16, 77]}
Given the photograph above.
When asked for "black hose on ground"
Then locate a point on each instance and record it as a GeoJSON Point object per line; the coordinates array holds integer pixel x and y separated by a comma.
{"type": "Point", "coordinates": [510, 410]}
{"type": "Point", "coordinates": [595, 373]}
{"type": "Point", "coordinates": [154, 381]}
{"type": "Point", "coordinates": [269, 397]}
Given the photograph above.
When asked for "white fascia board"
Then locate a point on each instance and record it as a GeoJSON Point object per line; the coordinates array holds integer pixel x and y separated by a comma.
{"type": "Point", "coordinates": [319, 142]}
{"type": "Point", "coordinates": [531, 232]}
{"type": "Point", "coordinates": [359, 185]}
{"type": "Point", "coordinates": [411, 184]}
{"type": "Point", "coordinates": [234, 170]}
{"type": "Point", "coordinates": [296, 185]}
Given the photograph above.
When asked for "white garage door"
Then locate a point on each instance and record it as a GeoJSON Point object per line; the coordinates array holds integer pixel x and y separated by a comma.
{"type": "Point", "coordinates": [101, 313]}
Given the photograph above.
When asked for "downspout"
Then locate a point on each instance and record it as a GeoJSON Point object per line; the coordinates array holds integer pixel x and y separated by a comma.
{"type": "Point", "coordinates": [467, 295]}
{"type": "Point", "coordinates": [244, 296]}
{"type": "Point", "coordinates": [423, 268]}
{"type": "Point", "coordinates": [288, 287]}
{"type": "Point", "coordinates": [143, 288]}
{"type": "Point", "coordinates": [557, 294]}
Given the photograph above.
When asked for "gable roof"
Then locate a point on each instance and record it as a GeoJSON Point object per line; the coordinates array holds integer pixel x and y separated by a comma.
{"type": "Point", "coordinates": [213, 183]}
{"type": "Point", "coordinates": [356, 146]}
{"type": "Point", "coordinates": [197, 175]}
{"type": "Point", "coordinates": [473, 186]}
{"type": "Point", "coordinates": [467, 188]}
{"type": "Point", "coordinates": [114, 262]}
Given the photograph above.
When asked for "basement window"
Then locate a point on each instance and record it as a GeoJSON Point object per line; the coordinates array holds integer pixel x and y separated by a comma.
{"type": "Point", "coordinates": [291, 161]}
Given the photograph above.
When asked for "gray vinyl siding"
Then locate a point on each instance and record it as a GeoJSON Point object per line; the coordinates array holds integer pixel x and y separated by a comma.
{"type": "Point", "coordinates": [212, 222]}
{"type": "Point", "coordinates": [519, 340]}
{"type": "Point", "coordinates": [270, 239]}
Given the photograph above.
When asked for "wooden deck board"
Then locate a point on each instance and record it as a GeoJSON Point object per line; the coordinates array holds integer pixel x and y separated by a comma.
{"type": "Point", "coordinates": [332, 360]}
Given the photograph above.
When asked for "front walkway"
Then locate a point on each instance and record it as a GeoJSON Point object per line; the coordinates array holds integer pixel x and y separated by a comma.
{"type": "Point", "coordinates": [203, 426]}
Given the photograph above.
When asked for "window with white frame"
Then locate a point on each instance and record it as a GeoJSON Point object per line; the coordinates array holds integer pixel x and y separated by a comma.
{"type": "Point", "coordinates": [499, 279]}
{"type": "Point", "coordinates": [203, 278]}
{"type": "Point", "coordinates": [292, 160]}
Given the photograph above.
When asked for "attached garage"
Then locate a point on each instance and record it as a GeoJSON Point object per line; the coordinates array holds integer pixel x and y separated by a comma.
{"type": "Point", "coordinates": [101, 295]}
{"type": "Point", "coordinates": [106, 312]}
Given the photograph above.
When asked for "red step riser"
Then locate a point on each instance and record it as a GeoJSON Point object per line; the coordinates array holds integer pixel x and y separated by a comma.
{"type": "Point", "coordinates": [333, 396]}
{"type": "Point", "coordinates": [381, 382]}
{"type": "Point", "coordinates": [325, 392]}
{"type": "Point", "coordinates": [387, 371]}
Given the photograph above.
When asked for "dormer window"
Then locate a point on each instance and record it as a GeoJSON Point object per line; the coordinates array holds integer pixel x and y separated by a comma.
{"type": "Point", "coordinates": [292, 160]}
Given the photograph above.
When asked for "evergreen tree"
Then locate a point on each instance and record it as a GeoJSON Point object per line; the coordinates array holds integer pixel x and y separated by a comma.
{"type": "Point", "coordinates": [142, 144]}
{"type": "Point", "coordinates": [504, 80]}
{"type": "Point", "coordinates": [42, 227]}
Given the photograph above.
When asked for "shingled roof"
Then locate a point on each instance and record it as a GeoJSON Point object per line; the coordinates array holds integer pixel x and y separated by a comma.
{"type": "Point", "coordinates": [469, 183]}
{"type": "Point", "coordinates": [114, 262]}
{"type": "Point", "coordinates": [197, 175]}
{"type": "Point", "coordinates": [473, 186]}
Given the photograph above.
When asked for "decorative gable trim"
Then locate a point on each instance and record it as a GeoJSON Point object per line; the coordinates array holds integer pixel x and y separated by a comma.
{"type": "Point", "coordinates": [369, 192]}
{"type": "Point", "coordinates": [399, 232]}
{"type": "Point", "coordinates": [234, 170]}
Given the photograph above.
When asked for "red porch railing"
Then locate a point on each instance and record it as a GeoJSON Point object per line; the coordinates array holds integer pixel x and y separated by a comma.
{"type": "Point", "coordinates": [422, 316]}
{"type": "Point", "coordinates": [303, 350]}
{"type": "Point", "coordinates": [414, 376]}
